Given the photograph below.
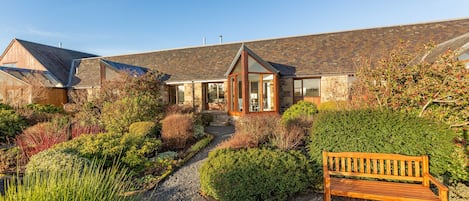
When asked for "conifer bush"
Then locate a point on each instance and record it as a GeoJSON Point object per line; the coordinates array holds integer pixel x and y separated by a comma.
{"type": "Point", "coordinates": [254, 174]}
{"type": "Point", "coordinates": [11, 124]}
{"type": "Point", "coordinates": [385, 131]}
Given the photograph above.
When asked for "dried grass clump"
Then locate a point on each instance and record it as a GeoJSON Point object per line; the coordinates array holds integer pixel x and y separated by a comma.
{"type": "Point", "coordinates": [238, 141]}
{"type": "Point", "coordinates": [287, 137]}
{"type": "Point", "coordinates": [177, 130]}
{"type": "Point", "coordinates": [258, 127]}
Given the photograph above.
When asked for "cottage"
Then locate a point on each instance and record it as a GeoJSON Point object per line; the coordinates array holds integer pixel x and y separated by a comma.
{"type": "Point", "coordinates": [268, 76]}
{"type": "Point", "coordinates": [252, 77]}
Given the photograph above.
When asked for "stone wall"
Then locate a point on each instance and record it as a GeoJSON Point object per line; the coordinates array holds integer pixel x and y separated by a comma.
{"type": "Point", "coordinates": [334, 88]}
{"type": "Point", "coordinates": [193, 95]}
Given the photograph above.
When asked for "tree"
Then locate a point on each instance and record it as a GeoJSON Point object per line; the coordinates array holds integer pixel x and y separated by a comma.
{"type": "Point", "coordinates": [437, 89]}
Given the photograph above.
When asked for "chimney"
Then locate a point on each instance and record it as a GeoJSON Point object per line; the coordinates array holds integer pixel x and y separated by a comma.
{"type": "Point", "coordinates": [60, 44]}
{"type": "Point", "coordinates": [221, 39]}
{"type": "Point", "coordinates": [204, 41]}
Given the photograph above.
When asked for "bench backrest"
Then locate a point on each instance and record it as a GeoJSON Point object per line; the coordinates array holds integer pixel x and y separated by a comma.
{"type": "Point", "coordinates": [375, 165]}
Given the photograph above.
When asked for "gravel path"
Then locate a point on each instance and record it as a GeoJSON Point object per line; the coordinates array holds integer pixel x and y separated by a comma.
{"type": "Point", "coordinates": [184, 184]}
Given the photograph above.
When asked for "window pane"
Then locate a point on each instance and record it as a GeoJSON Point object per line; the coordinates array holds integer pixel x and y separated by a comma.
{"type": "Point", "coordinates": [233, 93]}
{"type": "Point", "coordinates": [254, 92]}
{"type": "Point", "coordinates": [268, 92]}
{"type": "Point", "coordinates": [237, 68]}
{"type": "Point", "coordinates": [255, 67]}
{"type": "Point", "coordinates": [180, 92]}
{"type": "Point", "coordinates": [297, 85]}
{"type": "Point", "coordinates": [311, 87]}
{"type": "Point", "coordinates": [215, 93]}
{"type": "Point", "coordinates": [240, 93]}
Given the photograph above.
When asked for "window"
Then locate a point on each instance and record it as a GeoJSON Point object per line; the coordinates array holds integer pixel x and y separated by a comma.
{"type": "Point", "coordinates": [307, 90]}
{"type": "Point", "coordinates": [216, 94]}
{"type": "Point", "coordinates": [307, 87]}
{"type": "Point", "coordinates": [176, 94]}
{"type": "Point", "coordinates": [180, 94]}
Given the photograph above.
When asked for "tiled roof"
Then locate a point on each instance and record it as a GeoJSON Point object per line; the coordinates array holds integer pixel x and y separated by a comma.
{"type": "Point", "coordinates": [27, 75]}
{"type": "Point", "coordinates": [460, 43]}
{"type": "Point", "coordinates": [309, 55]}
{"type": "Point", "coordinates": [56, 60]}
{"type": "Point", "coordinates": [137, 70]}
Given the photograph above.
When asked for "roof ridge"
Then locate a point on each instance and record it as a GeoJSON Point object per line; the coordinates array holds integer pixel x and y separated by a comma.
{"type": "Point", "coordinates": [50, 46]}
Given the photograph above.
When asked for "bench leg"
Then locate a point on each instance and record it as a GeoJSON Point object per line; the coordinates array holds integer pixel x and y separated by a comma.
{"type": "Point", "coordinates": [327, 194]}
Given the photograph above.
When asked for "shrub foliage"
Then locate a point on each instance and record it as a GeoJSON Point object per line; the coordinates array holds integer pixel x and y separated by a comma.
{"type": "Point", "coordinates": [388, 132]}
{"type": "Point", "coordinates": [254, 174]}
{"type": "Point", "coordinates": [299, 110]}
{"type": "Point", "coordinates": [10, 124]}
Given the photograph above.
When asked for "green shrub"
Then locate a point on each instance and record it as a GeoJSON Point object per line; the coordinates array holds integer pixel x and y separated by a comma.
{"type": "Point", "coordinates": [203, 119]}
{"type": "Point", "coordinates": [48, 108]}
{"type": "Point", "coordinates": [119, 115]}
{"type": "Point", "coordinates": [254, 174]}
{"type": "Point", "coordinates": [5, 107]}
{"type": "Point", "coordinates": [145, 128]}
{"type": "Point", "coordinates": [333, 105]}
{"type": "Point", "coordinates": [130, 148]}
{"type": "Point", "coordinates": [10, 124]}
{"type": "Point", "coordinates": [92, 182]}
{"type": "Point", "coordinates": [54, 160]}
{"type": "Point", "coordinates": [388, 132]}
{"type": "Point", "coordinates": [298, 110]}
{"type": "Point", "coordinates": [199, 131]}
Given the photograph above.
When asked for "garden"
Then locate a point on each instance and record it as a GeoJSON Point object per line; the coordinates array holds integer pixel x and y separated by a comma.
{"type": "Point", "coordinates": [114, 147]}
{"type": "Point", "coordinates": [416, 109]}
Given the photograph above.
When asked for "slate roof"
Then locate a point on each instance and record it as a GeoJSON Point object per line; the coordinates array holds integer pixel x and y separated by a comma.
{"type": "Point", "coordinates": [56, 60]}
{"type": "Point", "coordinates": [301, 56]}
{"type": "Point", "coordinates": [137, 70]}
{"type": "Point", "coordinates": [25, 75]}
{"type": "Point", "coordinates": [460, 44]}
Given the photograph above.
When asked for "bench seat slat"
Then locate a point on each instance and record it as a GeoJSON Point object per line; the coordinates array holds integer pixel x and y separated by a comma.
{"type": "Point", "coordinates": [380, 190]}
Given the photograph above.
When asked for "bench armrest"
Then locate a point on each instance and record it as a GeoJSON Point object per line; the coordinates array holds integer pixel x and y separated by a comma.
{"type": "Point", "coordinates": [442, 189]}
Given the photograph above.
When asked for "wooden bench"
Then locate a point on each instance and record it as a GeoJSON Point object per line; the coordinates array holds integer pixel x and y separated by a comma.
{"type": "Point", "coordinates": [376, 176]}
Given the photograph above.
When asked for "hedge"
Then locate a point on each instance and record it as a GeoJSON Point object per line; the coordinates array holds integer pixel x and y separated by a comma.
{"type": "Point", "coordinates": [254, 174]}
{"type": "Point", "coordinates": [388, 132]}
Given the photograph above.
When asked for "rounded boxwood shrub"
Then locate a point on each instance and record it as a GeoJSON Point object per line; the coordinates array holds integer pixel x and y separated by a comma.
{"type": "Point", "coordinates": [254, 174]}
{"type": "Point", "coordinates": [54, 160]}
{"type": "Point", "coordinates": [386, 131]}
{"type": "Point", "coordinates": [298, 110]}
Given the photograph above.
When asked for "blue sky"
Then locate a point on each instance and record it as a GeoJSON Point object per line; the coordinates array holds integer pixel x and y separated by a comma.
{"type": "Point", "coordinates": [108, 27]}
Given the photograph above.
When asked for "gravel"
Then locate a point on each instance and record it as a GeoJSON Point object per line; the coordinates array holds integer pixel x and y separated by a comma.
{"type": "Point", "coordinates": [184, 184]}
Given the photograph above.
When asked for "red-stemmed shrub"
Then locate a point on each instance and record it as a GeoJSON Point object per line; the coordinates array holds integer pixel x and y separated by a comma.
{"type": "Point", "coordinates": [177, 130]}
{"type": "Point", "coordinates": [78, 130]}
{"type": "Point", "coordinates": [40, 137]}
